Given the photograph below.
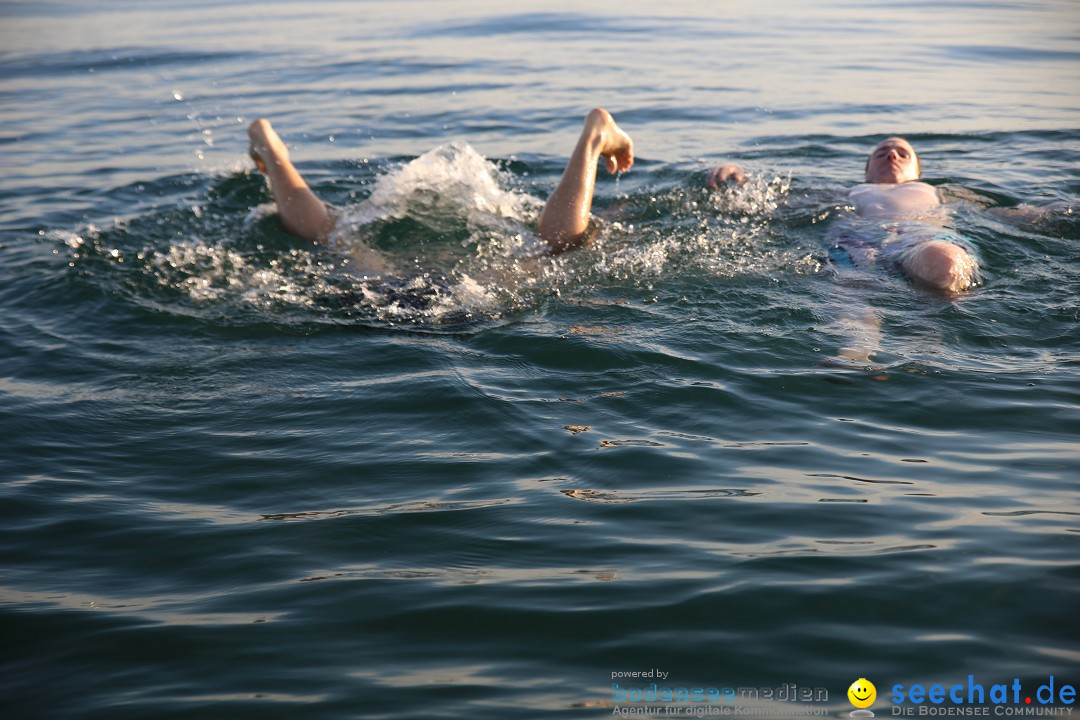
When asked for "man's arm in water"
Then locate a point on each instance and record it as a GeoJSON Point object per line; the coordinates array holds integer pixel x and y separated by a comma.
{"type": "Point", "coordinates": [565, 218]}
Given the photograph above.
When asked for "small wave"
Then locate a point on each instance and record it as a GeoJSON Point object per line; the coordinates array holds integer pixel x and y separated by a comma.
{"type": "Point", "coordinates": [557, 23]}
{"type": "Point", "coordinates": [655, 494]}
{"type": "Point", "coordinates": [81, 61]}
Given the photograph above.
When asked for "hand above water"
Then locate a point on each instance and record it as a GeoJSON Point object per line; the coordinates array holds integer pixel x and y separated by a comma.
{"type": "Point", "coordinates": [729, 172]}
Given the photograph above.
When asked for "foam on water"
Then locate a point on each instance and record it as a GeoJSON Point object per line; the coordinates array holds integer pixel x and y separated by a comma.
{"type": "Point", "coordinates": [722, 234]}
{"type": "Point", "coordinates": [446, 183]}
{"type": "Point", "coordinates": [407, 253]}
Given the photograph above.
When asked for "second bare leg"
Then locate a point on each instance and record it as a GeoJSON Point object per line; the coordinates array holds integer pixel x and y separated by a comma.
{"type": "Point", "coordinates": [565, 217]}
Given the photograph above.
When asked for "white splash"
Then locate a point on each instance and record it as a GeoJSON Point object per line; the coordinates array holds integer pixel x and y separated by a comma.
{"type": "Point", "coordinates": [449, 182]}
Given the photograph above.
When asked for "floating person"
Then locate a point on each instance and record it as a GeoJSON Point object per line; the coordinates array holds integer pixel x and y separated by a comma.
{"type": "Point", "coordinates": [900, 221]}
{"type": "Point", "coordinates": [903, 221]}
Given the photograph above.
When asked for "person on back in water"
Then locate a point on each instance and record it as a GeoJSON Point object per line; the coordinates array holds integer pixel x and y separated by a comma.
{"type": "Point", "coordinates": [905, 221]}
{"type": "Point", "coordinates": [907, 213]}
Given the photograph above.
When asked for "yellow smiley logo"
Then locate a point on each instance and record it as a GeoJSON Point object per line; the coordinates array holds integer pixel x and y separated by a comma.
{"type": "Point", "coordinates": [862, 693]}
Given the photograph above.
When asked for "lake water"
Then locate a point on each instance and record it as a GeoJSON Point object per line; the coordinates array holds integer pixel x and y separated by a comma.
{"type": "Point", "coordinates": [242, 479]}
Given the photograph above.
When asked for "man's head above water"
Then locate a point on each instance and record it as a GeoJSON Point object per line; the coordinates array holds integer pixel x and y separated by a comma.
{"type": "Point", "coordinates": [893, 161]}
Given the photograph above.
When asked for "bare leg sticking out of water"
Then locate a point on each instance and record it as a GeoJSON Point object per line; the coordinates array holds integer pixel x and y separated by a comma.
{"type": "Point", "coordinates": [302, 213]}
{"type": "Point", "coordinates": [563, 222]}
{"type": "Point", "coordinates": [565, 219]}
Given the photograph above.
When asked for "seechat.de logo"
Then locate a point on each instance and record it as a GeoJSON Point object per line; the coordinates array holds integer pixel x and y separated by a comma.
{"type": "Point", "coordinates": [862, 695]}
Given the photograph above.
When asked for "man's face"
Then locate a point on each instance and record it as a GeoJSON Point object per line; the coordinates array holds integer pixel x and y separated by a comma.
{"type": "Point", "coordinates": [893, 161]}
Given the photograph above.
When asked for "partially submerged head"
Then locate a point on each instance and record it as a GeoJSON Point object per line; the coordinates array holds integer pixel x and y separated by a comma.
{"type": "Point", "coordinates": [893, 161]}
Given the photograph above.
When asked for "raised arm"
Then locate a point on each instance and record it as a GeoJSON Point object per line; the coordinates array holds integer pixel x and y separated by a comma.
{"type": "Point", "coordinates": [565, 216]}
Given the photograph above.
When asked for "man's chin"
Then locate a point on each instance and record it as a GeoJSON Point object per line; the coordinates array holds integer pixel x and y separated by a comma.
{"type": "Point", "coordinates": [887, 179]}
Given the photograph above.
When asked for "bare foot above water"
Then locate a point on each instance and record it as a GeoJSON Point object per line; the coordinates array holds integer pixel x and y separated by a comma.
{"type": "Point", "coordinates": [266, 145]}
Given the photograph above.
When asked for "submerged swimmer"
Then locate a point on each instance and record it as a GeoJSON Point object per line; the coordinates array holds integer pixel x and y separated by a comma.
{"type": "Point", "coordinates": [563, 223]}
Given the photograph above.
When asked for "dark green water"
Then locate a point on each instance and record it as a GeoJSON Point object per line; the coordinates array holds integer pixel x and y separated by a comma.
{"type": "Point", "coordinates": [240, 479]}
